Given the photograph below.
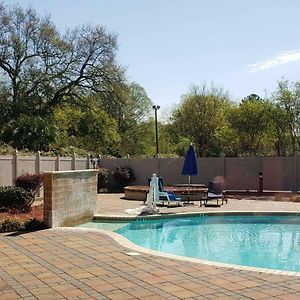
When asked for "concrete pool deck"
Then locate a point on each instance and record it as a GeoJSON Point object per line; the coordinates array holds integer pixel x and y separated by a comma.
{"type": "Point", "coordinates": [115, 205]}
{"type": "Point", "coordinates": [77, 264]}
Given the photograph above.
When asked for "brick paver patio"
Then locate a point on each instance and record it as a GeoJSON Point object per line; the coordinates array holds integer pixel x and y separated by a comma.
{"type": "Point", "coordinates": [75, 264]}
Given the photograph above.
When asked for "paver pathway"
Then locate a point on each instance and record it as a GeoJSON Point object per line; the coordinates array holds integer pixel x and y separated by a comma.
{"type": "Point", "coordinates": [74, 264]}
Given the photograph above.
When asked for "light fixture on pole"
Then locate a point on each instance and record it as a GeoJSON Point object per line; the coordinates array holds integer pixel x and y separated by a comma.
{"type": "Point", "coordinates": [156, 107]}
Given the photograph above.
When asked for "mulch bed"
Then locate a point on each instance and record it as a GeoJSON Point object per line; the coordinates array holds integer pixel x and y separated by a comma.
{"type": "Point", "coordinates": [36, 211]}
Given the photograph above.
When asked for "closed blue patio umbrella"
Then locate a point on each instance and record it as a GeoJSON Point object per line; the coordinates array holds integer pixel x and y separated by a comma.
{"type": "Point", "coordinates": [190, 163]}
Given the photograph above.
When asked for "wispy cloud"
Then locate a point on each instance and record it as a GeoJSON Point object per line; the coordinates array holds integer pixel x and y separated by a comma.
{"type": "Point", "coordinates": [279, 59]}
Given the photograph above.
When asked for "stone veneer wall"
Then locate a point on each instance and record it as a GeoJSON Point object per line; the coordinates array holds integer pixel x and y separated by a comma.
{"type": "Point", "coordinates": [69, 197]}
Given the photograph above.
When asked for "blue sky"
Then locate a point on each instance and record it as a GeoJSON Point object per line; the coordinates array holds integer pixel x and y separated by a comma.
{"type": "Point", "coordinates": [168, 45]}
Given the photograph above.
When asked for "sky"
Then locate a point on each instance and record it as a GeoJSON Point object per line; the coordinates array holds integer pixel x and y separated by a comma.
{"type": "Point", "coordinates": [169, 45]}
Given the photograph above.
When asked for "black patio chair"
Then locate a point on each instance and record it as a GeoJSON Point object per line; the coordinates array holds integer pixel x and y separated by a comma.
{"type": "Point", "coordinates": [215, 192]}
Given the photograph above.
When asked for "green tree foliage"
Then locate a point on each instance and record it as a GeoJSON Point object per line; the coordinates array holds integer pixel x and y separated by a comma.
{"type": "Point", "coordinates": [251, 124]}
{"type": "Point", "coordinates": [143, 141]}
{"type": "Point", "coordinates": [130, 110]}
{"type": "Point", "coordinates": [29, 132]}
{"type": "Point", "coordinates": [226, 137]}
{"type": "Point", "coordinates": [200, 117]}
{"type": "Point", "coordinates": [280, 131]}
{"type": "Point", "coordinates": [91, 128]}
{"type": "Point", "coordinates": [287, 98]}
{"type": "Point", "coordinates": [42, 68]}
{"type": "Point", "coordinates": [171, 142]}
{"type": "Point", "coordinates": [43, 71]}
{"type": "Point", "coordinates": [129, 106]}
{"type": "Point", "coordinates": [65, 90]}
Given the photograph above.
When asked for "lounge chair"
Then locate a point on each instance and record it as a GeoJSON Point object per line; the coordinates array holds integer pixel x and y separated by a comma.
{"type": "Point", "coordinates": [215, 192]}
{"type": "Point", "coordinates": [167, 198]}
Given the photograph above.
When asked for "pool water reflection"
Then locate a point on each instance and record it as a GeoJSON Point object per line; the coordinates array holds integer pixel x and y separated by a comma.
{"type": "Point", "coordinates": [265, 241]}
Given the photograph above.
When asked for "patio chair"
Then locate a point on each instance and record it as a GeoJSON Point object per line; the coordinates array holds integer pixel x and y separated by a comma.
{"type": "Point", "coordinates": [215, 192]}
{"type": "Point", "coordinates": [167, 198]}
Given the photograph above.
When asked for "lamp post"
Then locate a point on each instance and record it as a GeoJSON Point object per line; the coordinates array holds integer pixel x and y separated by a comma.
{"type": "Point", "coordinates": [156, 107]}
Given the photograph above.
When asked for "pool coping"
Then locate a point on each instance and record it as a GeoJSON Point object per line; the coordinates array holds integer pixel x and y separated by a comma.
{"type": "Point", "coordinates": [103, 217]}
{"type": "Point", "coordinates": [133, 247]}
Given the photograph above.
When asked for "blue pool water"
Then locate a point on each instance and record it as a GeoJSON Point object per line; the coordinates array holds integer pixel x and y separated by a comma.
{"type": "Point", "coordinates": [259, 241]}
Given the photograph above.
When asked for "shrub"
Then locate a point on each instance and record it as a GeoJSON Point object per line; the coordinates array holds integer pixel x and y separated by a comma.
{"type": "Point", "coordinates": [14, 198]}
{"type": "Point", "coordinates": [10, 225]}
{"type": "Point", "coordinates": [123, 176]}
{"type": "Point", "coordinates": [103, 178]}
{"type": "Point", "coordinates": [30, 182]}
{"type": "Point", "coordinates": [34, 224]}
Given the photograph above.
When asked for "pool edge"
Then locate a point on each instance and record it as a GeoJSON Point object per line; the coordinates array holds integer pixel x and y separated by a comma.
{"type": "Point", "coordinates": [102, 217]}
{"type": "Point", "coordinates": [130, 245]}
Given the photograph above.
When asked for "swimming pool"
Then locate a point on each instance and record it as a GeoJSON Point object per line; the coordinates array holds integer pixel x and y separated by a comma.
{"type": "Point", "coordinates": [265, 241]}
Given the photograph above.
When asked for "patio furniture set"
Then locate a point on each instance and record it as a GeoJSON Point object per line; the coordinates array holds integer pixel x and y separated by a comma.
{"type": "Point", "coordinates": [214, 195]}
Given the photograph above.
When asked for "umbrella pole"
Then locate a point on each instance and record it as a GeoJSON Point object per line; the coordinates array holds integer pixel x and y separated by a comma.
{"type": "Point", "coordinates": [189, 188]}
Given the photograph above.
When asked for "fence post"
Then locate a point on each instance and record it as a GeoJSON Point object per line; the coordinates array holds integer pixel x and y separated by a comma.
{"type": "Point", "coordinates": [295, 172]}
{"type": "Point", "coordinates": [260, 188]}
{"type": "Point", "coordinates": [98, 161]}
{"type": "Point", "coordinates": [38, 162]}
{"type": "Point", "coordinates": [73, 162]}
{"type": "Point", "coordinates": [57, 163]}
{"type": "Point", "coordinates": [260, 183]}
{"type": "Point", "coordinates": [87, 166]}
{"type": "Point", "coordinates": [15, 169]}
{"type": "Point", "coordinates": [224, 167]}
{"type": "Point", "coordinates": [259, 164]}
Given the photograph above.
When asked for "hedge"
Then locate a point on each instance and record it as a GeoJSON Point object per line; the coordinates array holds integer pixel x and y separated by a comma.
{"type": "Point", "coordinates": [14, 198]}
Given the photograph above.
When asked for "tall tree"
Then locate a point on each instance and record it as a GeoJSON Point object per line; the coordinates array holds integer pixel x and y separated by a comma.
{"type": "Point", "coordinates": [287, 97]}
{"type": "Point", "coordinates": [200, 116]}
{"type": "Point", "coordinates": [30, 132]}
{"type": "Point", "coordinates": [42, 69]}
{"type": "Point", "coordinates": [91, 128]}
{"type": "Point", "coordinates": [130, 107]}
{"type": "Point", "coordinates": [251, 123]}
{"type": "Point", "coordinates": [280, 131]}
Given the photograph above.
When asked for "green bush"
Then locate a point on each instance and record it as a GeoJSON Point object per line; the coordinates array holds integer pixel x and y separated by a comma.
{"type": "Point", "coordinates": [34, 224]}
{"type": "Point", "coordinates": [103, 179]}
{"type": "Point", "coordinates": [123, 176]}
{"type": "Point", "coordinates": [11, 225]}
{"type": "Point", "coordinates": [14, 198]}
